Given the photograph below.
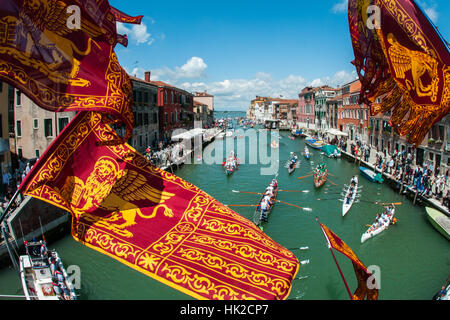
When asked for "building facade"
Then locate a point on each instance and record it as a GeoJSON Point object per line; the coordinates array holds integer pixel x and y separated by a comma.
{"type": "Point", "coordinates": [353, 117]}
{"type": "Point", "coordinates": [305, 112]}
{"type": "Point", "coordinates": [6, 104]}
{"type": "Point", "coordinates": [176, 108]}
{"type": "Point", "coordinates": [35, 128]}
{"type": "Point", "coordinates": [204, 99]}
{"type": "Point", "coordinates": [146, 115]}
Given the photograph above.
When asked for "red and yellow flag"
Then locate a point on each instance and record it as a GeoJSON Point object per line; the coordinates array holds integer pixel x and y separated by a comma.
{"type": "Point", "coordinates": [155, 222]}
{"type": "Point", "coordinates": [401, 58]}
{"type": "Point", "coordinates": [60, 53]}
{"type": "Point", "coordinates": [362, 273]}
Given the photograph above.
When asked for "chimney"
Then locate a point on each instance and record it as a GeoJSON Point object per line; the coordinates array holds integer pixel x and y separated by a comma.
{"type": "Point", "coordinates": [147, 75]}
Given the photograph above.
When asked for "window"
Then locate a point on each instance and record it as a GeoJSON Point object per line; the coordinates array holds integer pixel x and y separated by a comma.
{"type": "Point", "coordinates": [36, 152]}
{"type": "Point", "coordinates": [171, 118]}
{"type": "Point", "coordinates": [48, 127]}
{"type": "Point", "coordinates": [62, 123]}
{"type": "Point", "coordinates": [18, 128]}
{"type": "Point", "coordinates": [166, 118]}
{"type": "Point", "coordinates": [35, 123]}
{"type": "Point", "coordinates": [19, 152]}
{"type": "Point", "coordinates": [18, 98]}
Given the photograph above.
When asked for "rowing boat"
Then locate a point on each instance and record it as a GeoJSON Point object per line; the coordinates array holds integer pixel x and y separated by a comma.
{"type": "Point", "coordinates": [439, 221]}
{"type": "Point", "coordinates": [348, 201]}
{"type": "Point", "coordinates": [320, 177]}
{"type": "Point", "coordinates": [307, 153]}
{"type": "Point", "coordinates": [231, 165]}
{"type": "Point", "coordinates": [371, 175]}
{"type": "Point", "coordinates": [372, 233]}
{"type": "Point", "coordinates": [257, 215]}
{"type": "Point", "coordinates": [292, 165]}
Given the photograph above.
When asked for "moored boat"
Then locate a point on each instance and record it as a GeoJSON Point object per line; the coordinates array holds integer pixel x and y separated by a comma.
{"type": "Point", "coordinates": [375, 230]}
{"type": "Point", "coordinates": [320, 175]}
{"type": "Point", "coordinates": [258, 217]}
{"type": "Point", "coordinates": [43, 275]}
{"type": "Point", "coordinates": [439, 221]}
{"type": "Point", "coordinates": [350, 195]}
{"type": "Point", "coordinates": [313, 143]}
{"type": "Point", "coordinates": [331, 151]}
{"type": "Point", "coordinates": [371, 175]}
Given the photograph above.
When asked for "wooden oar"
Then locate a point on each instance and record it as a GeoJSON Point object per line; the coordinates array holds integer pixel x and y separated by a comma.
{"type": "Point", "coordinates": [386, 204]}
{"type": "Point", "coordinates": [293, 205]}
{"type": "Point", "coordinates": [309, 175]}
{"type": "Point", "coordinates": [331, 182]}
{"type": "Point", "coordinates": [241, 205]}
{"type": "Point", "coordinates": [236, 191]}
{"type": "Point", "coordinates": [304, 191]}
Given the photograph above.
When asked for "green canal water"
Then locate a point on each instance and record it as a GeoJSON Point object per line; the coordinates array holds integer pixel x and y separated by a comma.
{"type": "Point", "coordinates": [412, 258]}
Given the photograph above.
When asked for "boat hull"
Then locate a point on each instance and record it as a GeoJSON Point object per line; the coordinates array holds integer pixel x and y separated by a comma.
{"type": "Point", "coordinates": [320, 181]}
{"type": "Point", "coordinates": [257, 215]}
{"type": "Point", "coordinates": [367, 235]}
{"type": "Point", "coordinates": [290, 170]}
{"type": "Point", "coordinates": [346, 207]}
{"type": "Point", "coordinates": [439, 221]}
{"type": "Point", "coordinates": [370, 175]}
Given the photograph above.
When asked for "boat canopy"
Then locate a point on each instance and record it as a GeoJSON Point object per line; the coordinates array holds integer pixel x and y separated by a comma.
{"type": "Point", "coordinates": [329, 149]}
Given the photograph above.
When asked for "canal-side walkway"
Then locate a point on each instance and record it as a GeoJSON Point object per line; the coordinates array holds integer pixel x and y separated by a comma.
{"type": "Point", "coordinates": [393, 181]}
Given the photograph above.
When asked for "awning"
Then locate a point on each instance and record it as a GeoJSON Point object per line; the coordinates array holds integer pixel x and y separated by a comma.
{"type": "Point", "coordinates": [336, 132]}
{"type": "Point", "coordinates": [188, 134]}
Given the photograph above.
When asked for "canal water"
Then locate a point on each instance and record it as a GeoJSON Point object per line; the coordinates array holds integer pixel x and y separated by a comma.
{"type": "Point", "coordinates": [411, 259]}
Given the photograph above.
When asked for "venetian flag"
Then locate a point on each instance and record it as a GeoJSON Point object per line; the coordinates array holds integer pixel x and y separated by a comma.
{"type": "Point", "coordinates": [401, 58]}
{"type": "Point", "coordinates": [60, 53]}
{"type": "Point", "coordinates": [154, 221]}
{"type": "Point", "coordinates": [366, 286]}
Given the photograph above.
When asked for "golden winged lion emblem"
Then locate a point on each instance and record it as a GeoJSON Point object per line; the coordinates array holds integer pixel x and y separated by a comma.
{"type": "Point", "coordinates": [41, 34]}
{"type": "Point", "coordinates": [420, 65]}
{"type": "Point", "coordinates": [113, 190]}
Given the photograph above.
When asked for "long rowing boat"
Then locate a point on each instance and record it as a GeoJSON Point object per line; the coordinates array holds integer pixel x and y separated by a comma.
{"type": "Point", "coordinates": [257, 215]}
{"type": "Point", "coordinates": [350, 195]}
{"type": "Point", "coordinates": [370, 233]}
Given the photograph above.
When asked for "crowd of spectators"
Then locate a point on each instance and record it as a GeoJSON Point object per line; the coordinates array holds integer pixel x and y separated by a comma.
{"type": "Point", "coordinates": [428, 180]}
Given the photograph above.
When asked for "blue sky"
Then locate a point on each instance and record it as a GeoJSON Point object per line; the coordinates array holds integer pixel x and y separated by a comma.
{"type": "Point", "coordinates": [239, 49]}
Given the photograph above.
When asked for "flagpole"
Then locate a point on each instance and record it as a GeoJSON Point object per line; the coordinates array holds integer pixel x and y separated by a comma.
{"type": "Point", "coordinates": [335, 260]}
{"type": "Point", "coordinates": [342, 275]}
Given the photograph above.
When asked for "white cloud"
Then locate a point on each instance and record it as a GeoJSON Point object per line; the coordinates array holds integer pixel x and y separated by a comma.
{"type": "Point", "coordinates": [237, 93]}
{"type": "Point", "coordinates": [137, 33]}
{"type": "Point", "coordinates": [432, 14]}
{"type": "Point", "coordinates": [195, 67]}
{"type": "Point", "coordinates": [341, 6]}
{"type": "Point", "coordinates": [430, 9]}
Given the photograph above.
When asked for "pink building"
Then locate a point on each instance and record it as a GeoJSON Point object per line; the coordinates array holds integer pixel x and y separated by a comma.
{"type": "Point", "coordinates": [305, 111]}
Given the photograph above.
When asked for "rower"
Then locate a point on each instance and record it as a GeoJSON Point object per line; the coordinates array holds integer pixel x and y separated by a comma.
{"type": "Point", "coordinates": [264, 208]}
{"type": "Point", "coordinates": [274, 183]}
